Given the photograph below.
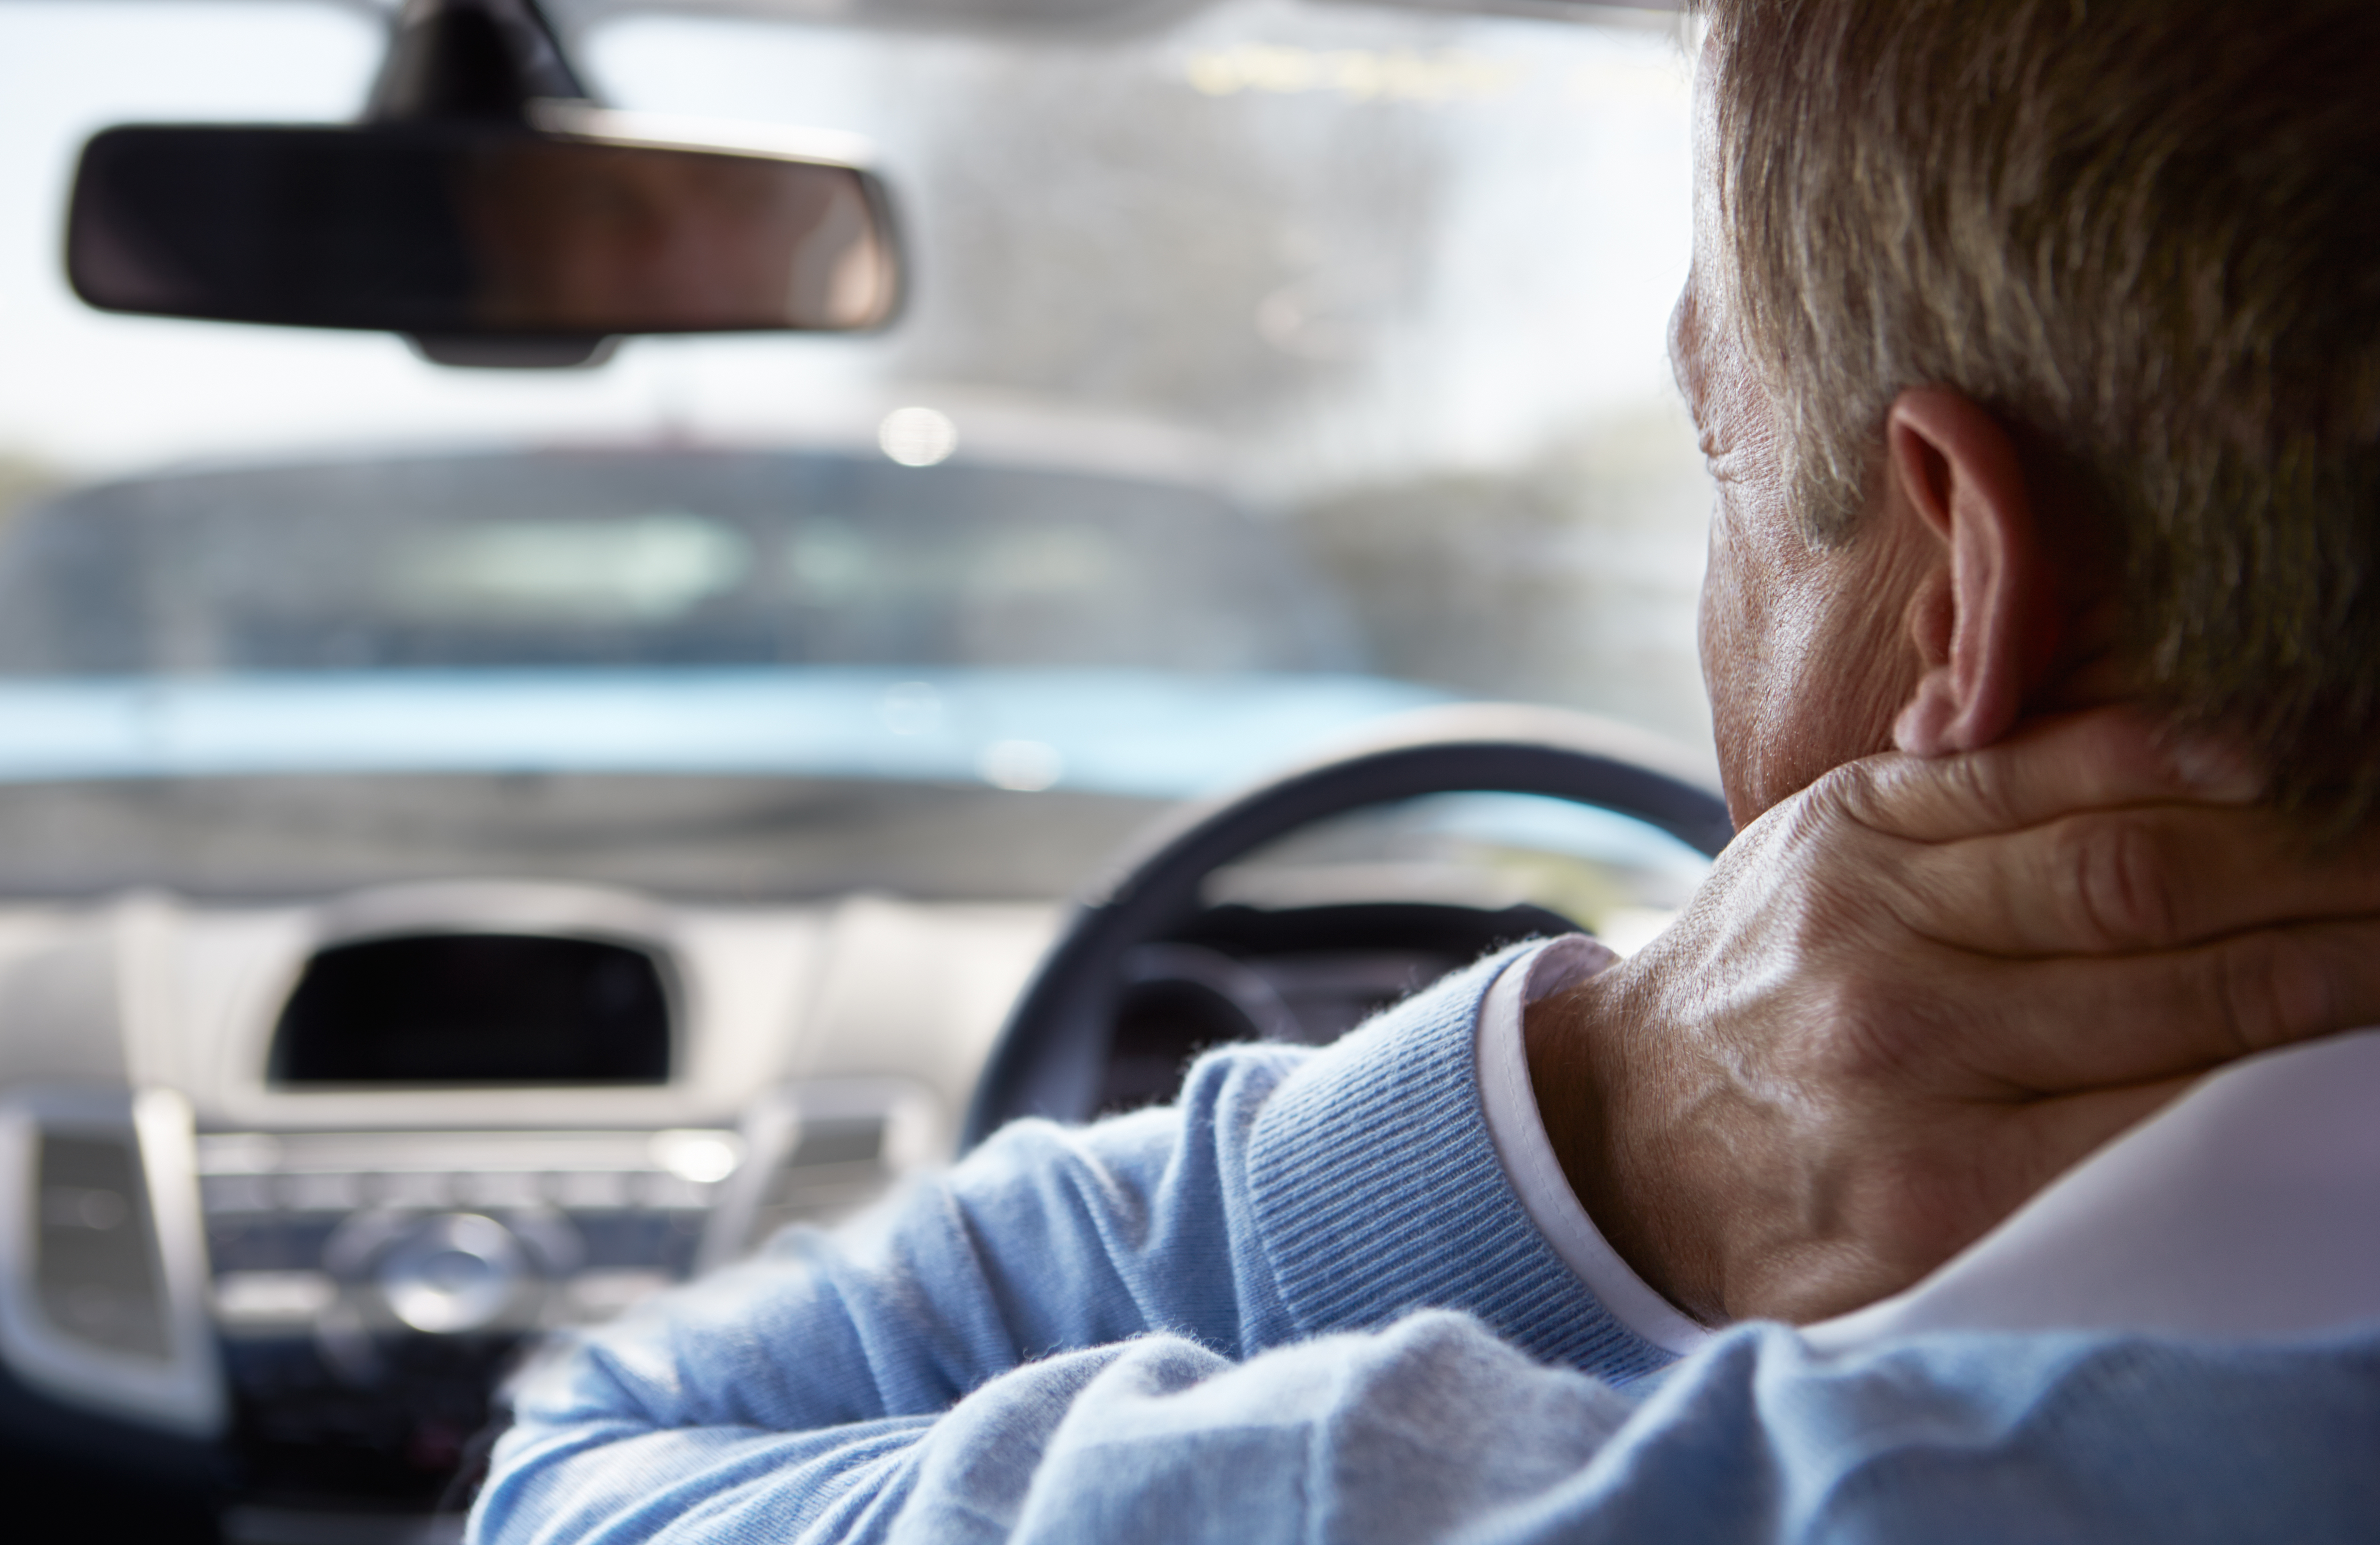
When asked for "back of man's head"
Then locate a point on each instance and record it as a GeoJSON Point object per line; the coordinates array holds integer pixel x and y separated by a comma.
{"type": "Point", "coordinates": [2145, 234]}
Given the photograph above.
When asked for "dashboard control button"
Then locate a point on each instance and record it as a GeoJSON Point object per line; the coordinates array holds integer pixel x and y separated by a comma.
{"type": "Point", "coordinates": [454, 1273]}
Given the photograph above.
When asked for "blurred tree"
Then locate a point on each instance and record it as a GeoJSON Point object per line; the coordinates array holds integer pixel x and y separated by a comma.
{"type": "Point", "coordinates": [1248, 232]}
{"type": "Point", "coordinates": [1253, 248]}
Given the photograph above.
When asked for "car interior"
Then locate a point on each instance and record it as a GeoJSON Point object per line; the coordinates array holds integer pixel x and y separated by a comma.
{"type": "Point", "coordinates": [625, 622]}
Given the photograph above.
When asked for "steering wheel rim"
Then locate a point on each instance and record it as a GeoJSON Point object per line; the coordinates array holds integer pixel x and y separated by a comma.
{"type": "Point", "coordinates": [1048, 1056]}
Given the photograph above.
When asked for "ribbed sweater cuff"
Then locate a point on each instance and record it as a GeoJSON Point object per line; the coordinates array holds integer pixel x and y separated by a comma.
{"type": "Point", "coordinates": [1378, 1191]}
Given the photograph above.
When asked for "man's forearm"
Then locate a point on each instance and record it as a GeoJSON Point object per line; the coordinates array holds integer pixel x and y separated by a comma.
{"type": "Point", "coordinates": [1289, 1195]}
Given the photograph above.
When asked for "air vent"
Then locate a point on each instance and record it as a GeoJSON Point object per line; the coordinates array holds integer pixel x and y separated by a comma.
{"type": "Point", "coordinates": [92, 1258]}
{"type": "Point", "coordinates": [100, 1296]}
{"type": "Point", "coordinates": [455, 1009]}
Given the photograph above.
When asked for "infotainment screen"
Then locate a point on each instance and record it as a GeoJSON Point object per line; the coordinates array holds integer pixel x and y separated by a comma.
{"type": "Point", "coordinates": [443, 1009]}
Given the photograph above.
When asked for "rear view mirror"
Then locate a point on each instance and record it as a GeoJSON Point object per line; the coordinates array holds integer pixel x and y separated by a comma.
{"type": "Point", "coordinates": [462, 231]}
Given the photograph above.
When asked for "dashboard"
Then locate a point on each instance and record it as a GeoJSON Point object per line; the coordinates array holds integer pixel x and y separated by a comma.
{"type": "Point", "coordinates": [294, 1186]}
{"type": "Point", "coordinates": [286, 1190]}
{"type": "Point", "coordinates": [296, 1183]}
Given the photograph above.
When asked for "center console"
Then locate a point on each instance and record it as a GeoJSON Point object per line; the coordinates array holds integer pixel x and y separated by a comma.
{"type": "Point", "coordinates": [327, 1304]}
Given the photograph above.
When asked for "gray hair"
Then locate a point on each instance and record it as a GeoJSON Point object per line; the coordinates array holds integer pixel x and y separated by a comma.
{"type": "Point", "coordinates": [2144, 232]}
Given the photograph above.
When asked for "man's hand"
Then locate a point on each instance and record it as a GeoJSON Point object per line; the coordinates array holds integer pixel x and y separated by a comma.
{"type": "Point", "coordinates": [1911, 995]}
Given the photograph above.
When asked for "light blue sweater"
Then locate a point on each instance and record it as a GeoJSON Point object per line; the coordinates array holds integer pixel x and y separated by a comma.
{"type": "Point", "coordinates": [1306, 1305]}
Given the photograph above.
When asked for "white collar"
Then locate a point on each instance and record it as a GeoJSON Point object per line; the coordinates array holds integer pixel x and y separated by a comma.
{"type": "Point", "coordinates": [1510, 1105]}
{"type": "Point", "coordinates": [2248, 1210]}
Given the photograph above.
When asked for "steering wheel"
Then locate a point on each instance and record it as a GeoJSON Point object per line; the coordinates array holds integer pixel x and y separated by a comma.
{"type": "Point", "coordinates": [1049, 1057]}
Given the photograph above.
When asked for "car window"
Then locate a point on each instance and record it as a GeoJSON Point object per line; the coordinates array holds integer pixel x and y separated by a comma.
{"type": "Point", "coordinates": [1264, 371]}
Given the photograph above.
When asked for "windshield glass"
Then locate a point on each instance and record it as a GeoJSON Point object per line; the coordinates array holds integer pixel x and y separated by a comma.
{"type": "Point", "coordinates": [1264, 373]}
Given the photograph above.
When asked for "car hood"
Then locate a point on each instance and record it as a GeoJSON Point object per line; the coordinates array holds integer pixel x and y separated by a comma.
{"type": "Point", "coordinates": [1145, 733]}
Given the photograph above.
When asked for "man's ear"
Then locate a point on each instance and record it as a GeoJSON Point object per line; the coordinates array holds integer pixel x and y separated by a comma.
{"type": "Point", "coordinates": [1985, 621]}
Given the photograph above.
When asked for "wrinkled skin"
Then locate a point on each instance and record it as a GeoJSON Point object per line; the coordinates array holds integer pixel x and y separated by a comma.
{"type": "Point", "coordinates": [1979, 917]}
{"type": "Point", "coordinates": [1913, 993]}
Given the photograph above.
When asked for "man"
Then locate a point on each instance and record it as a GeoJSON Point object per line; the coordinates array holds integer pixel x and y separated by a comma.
{"type": "Point", "coordinates": [2006, 336]}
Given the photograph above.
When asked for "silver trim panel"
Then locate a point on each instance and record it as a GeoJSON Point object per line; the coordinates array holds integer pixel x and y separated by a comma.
{"type": "Point", "coordinates": [181, 1392]}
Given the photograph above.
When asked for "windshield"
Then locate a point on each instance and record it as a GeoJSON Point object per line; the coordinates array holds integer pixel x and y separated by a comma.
{"type": "Point", "coordinates": [1264, 373]}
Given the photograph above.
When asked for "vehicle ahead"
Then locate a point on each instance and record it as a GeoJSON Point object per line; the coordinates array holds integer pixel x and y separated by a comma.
{"type": "Point", "coordinates": [479, 845]}
{"type": "Point", "coordinates": [894, 650]}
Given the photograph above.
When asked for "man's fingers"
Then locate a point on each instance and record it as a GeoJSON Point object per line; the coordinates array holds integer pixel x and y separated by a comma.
{"type": "Point", "coordinates": [2099, 760]}
{"type": "Point", "coordinates": [2149, 878]}
{"type": "Point", "coordinates": [2085, 1022]}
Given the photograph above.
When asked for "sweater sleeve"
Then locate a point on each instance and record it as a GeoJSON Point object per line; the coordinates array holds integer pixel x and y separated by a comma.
{"type": "Point", "coordinates": [1289, 1194]}
{"type": "Point", "coordinates": [1305, 1306]}
{"type": "Point", "coordinates": [1432, 1429]}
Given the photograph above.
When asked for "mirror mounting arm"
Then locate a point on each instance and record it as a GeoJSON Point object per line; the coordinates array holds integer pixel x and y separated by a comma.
{"type": "Point", "coordinates": [475, 60]}
{"type": "Point", "coordinates": [482, 61]}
